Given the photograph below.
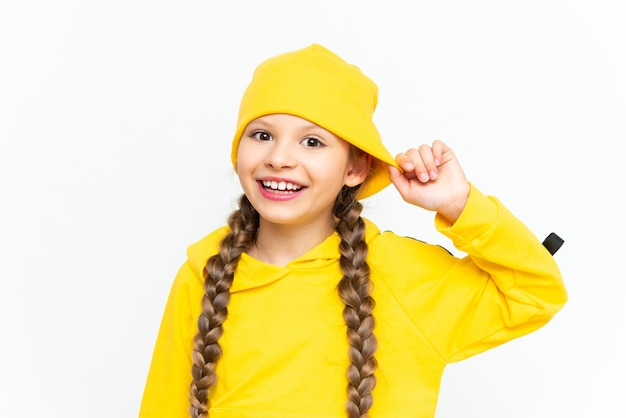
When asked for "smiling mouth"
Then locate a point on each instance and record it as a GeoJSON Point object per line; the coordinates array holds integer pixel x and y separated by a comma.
{"type": "Point", "coordinates": [280, 186]}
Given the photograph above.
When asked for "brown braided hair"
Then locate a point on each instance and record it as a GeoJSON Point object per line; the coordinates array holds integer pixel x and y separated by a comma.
{"type": "Point", "coordinates": [354, 290]}
{"type": "Point", "coordinates": [218, 277]}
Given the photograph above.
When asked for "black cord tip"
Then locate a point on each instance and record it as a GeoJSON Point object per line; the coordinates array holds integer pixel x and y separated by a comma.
{"type": "Point", "coordinates": [553, 242]}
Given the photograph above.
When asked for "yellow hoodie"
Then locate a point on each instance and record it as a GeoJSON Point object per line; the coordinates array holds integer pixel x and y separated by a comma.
{"type": "Point", "coordinates": [285, 345]}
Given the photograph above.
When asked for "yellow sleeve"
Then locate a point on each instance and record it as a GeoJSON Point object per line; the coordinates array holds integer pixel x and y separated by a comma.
{"type": "Point", "coordinates": [508, 285]}
{"type": "Point", "coordinates": [166, 394]}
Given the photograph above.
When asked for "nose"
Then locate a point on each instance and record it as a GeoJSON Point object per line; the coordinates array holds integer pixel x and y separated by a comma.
{"type": "Point", "coordinates": [280, 155]}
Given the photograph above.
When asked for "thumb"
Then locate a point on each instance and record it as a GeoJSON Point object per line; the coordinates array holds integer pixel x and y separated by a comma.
{"type": "Point", "coordinates": [398, 179]}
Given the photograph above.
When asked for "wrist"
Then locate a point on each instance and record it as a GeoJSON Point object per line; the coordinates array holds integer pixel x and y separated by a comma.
{"type": "Point", "coordinates": [452, 211]}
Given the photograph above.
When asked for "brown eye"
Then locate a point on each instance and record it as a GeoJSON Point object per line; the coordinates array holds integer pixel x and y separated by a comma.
{"type": "Point", "coordinates": [262, 136]}
{"type": "Point", "coordinates": [311, 142]}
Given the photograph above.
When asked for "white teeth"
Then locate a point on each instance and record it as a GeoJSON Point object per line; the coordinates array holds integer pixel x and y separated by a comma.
{"type": "Point", "coordinates": [280, 185]}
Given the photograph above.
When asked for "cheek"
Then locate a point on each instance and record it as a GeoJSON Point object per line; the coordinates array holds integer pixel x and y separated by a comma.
{"type": "Point", "coordinates": [336, 177]}
{"type": "Point", "coordinates": [243, 158]}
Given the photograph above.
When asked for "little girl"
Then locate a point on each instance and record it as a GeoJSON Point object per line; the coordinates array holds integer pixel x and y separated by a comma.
{"type": "Point", "coordinates": [299, 307]}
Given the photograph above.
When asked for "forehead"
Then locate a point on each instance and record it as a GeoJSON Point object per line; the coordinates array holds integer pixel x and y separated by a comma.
{"type": "Point", "coordinates": [285, 119]}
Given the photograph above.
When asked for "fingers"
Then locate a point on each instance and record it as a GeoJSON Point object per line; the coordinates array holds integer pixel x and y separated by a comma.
{"type": "Point", "coordinates": [431, 177]}
{"type": "Point", "coordinates": [422, 163]}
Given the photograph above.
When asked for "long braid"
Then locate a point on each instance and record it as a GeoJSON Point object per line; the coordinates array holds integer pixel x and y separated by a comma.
{"type": "Point", "coordinates": [218, 273]}
{"type": "Point", "coordinates": [354, 290]}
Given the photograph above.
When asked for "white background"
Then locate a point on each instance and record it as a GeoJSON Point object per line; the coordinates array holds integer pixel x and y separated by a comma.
{"type": "Point", "coordinates": [115, 125]}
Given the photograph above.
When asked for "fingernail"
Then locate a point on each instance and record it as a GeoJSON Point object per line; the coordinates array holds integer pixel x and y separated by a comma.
{"type": "Point", "coordinates": [433, 174]}
{"type": "Point", "coordinates": [424, 177]}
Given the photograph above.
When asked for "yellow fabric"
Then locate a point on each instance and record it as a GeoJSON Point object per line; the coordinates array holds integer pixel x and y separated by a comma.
{"type": "Point", "coordinates": [316, 84]}
{"type": "Point", "coordinates": [284, 342]}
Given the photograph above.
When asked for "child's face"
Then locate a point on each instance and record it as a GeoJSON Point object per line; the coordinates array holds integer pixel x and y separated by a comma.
{"type": "Point", "coordinates": [292, 170]}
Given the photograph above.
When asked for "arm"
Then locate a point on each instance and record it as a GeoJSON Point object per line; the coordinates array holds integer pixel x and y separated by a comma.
{"type": "Point", "coordinates": [507, 286]}
{"type": "Point", "coordinates": [166, 394]}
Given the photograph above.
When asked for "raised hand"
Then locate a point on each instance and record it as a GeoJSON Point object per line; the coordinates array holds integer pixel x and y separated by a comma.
{"type": "Point", "coordinates": [432, 178]}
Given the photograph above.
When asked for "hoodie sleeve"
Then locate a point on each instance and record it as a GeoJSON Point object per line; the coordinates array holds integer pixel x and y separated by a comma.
{"type": "Point", "coordinates": [507, 286]}
{"type": "Point", "coordinates": [515, 286]}
{"type": "Point", "coordinates": [166, 394]}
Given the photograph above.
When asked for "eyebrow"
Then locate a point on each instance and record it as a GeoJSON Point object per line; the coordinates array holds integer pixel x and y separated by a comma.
{"type": "Point", "coordinates": [305, 125]}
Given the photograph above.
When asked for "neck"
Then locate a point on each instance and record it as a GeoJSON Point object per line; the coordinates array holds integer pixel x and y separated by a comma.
{"type": "Point", "coordinates": [280, 244]}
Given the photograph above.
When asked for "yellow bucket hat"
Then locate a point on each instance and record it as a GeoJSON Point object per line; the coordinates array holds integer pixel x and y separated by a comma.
{"type": "Point", "coordinates": [316, 84]}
